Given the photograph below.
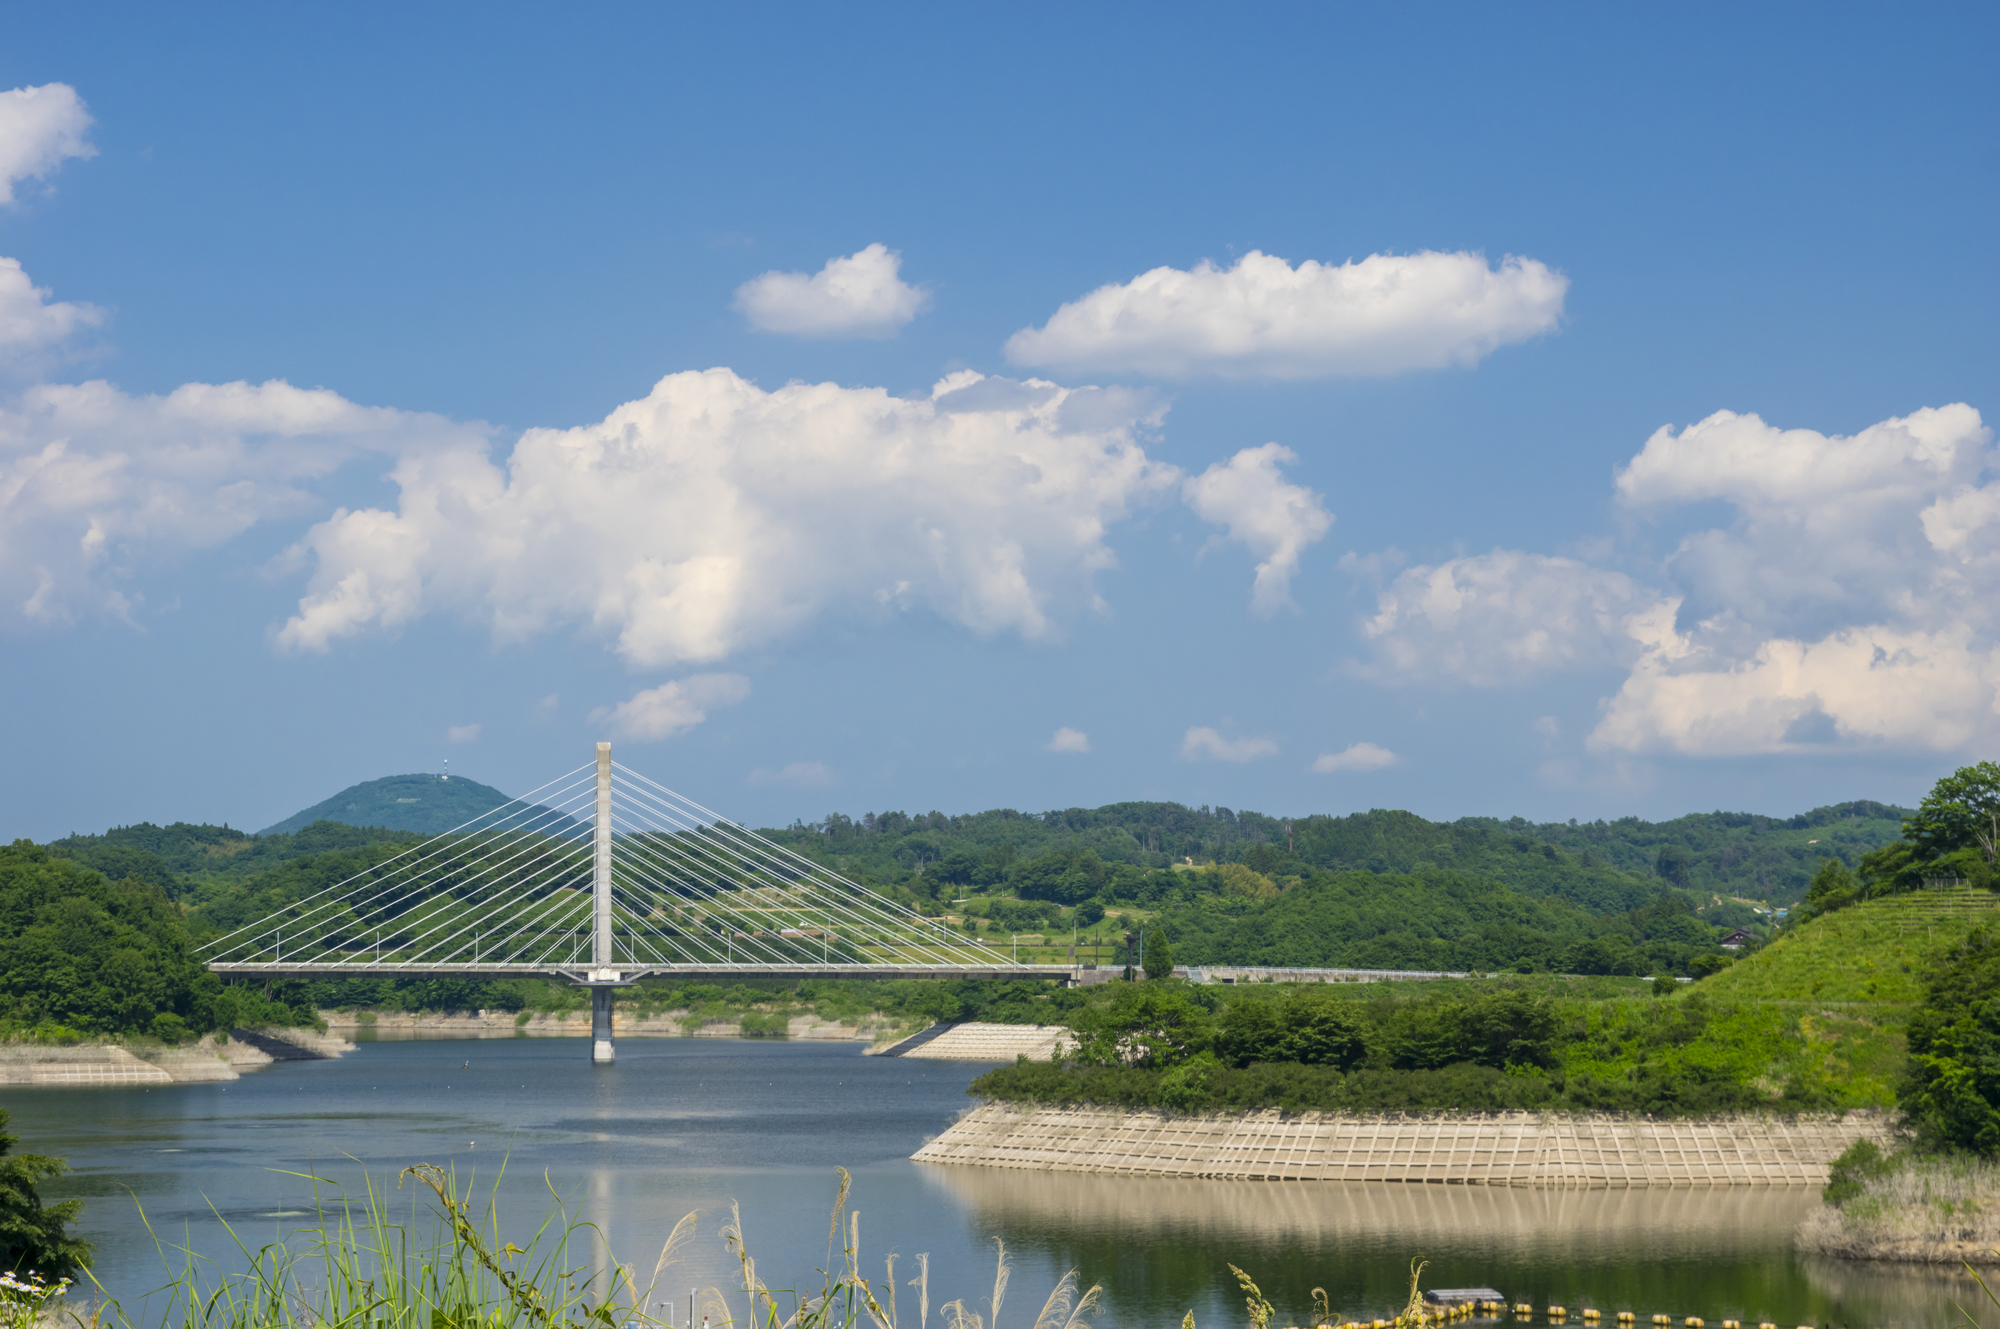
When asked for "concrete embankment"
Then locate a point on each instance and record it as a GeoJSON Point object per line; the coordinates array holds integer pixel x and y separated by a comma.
{"type": "Point", "coordinates": [1501, 1149]}
{"type": "Point", "coordinates": [970, 1040]}
{"type": "Point", "coordinates": [83, 1065]}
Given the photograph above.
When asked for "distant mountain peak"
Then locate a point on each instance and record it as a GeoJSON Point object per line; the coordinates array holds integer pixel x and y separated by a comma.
{"type": "Point", "coordinates": [424, 803]}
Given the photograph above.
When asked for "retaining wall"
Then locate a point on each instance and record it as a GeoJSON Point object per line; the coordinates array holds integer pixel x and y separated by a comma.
{"type": "Point", "coordinates": [973, 1041]}
{"type": "Point", "coordinates": [1501, 1149]}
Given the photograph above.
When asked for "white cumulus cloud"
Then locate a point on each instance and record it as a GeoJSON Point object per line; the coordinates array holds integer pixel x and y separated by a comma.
{"type": "Point", "coordinates": [97, 485]}
{"type": "Point", "coordinates": [29, 320]}
{"type": "Point", "coordinates": [40, 128]}
{"type": "Point", "coordinates": [1263, 318]}
{"type": "Point", "coordinates": [713, 515]}
{"type": "Point", "coordinates": [671, 708]}
{"type": "Point", "coordinates": [1203, 742]}
{"type": "Point", "coordinates": [1503, 617]}
{"type": "Point", "coordinates": [1356, 757]}
{"type": "Point", "coordinates": [1066, 739]}
{"type": "Point", "coordinates": [1273, 517]}
{"type": "Point", "coordinates": [462, 733]}
{"type": "Point", "coordinates": [1850, 595]}
{"type": "Point", "coordinates": [861, 295]}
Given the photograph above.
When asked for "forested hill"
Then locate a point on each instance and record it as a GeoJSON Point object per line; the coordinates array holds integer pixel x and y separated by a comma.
{"type": "Point", "coordinates": [426, 804]}
{"type": "Point", "coordinates": [183, 857]}
{"type": "Point", "coordinates": [1601, 866]}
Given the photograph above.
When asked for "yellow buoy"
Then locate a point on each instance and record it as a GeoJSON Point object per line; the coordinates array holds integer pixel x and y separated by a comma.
{"type": "Point", "coordinates": [1626, 1317]}
{"type": "Point", "coordinates": [1589, 1314]}
{"type": "Point", "coordinates": [1695, 1322]}
{"type": "Point", "coordinates": [1557, 1312]}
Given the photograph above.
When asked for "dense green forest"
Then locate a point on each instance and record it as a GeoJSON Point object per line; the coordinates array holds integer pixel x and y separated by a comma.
{"type": "Point", "coordinates": [1379, 889]}
{"type": "Point", "coordinates": [80, 955]}
{"type": "Point", "coordinates": [1600, 865]}
{"type": "Point", "coordinates": [1434, 920]}
{"type": "Point", "coordinates": [1503, 1045]}
{"type": "Point", "coordinates": [186, 860]}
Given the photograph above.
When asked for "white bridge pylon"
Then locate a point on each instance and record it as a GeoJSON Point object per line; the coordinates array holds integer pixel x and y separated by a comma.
{"type": "Point", "coordinates": [602, 877]}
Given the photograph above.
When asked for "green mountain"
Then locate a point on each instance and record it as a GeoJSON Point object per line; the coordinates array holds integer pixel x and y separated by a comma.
{"type": "Point", "coordinates": [426, 804]}
{"type": "Point", "coordinates": [1603, 867]}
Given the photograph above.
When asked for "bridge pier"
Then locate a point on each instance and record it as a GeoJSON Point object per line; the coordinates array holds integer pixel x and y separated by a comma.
{"type": "Point", "coordinates": [601, 1051]}
{"type": "Point", "coordinates": [601, 952]}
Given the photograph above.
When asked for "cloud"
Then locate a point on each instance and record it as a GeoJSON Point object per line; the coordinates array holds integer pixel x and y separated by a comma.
{"type": "Point", "coordinates": [39, 129]}
{"type": "Point", "coordinates": [1068, 740]}
{"type": "Point", "coordinates": [1275, 518]}
{"type": "Point", "coordinates": [97, 485]}
{"type": "Point", "coordinates": [28, 321]}
{"type": "Point", "coordinates": [856, 296]}
{"type": "Point", "coordinates": [462, 733]}
{"type": "Point", "coordinates": [1358, 757]}
{"type": "Point", "coordinates": [1872, 685]}
{"type": "Point", "coordinates": [1849, 595]}
{"type": "Point", "coordinates": [1503, 617]}
{"type": "Point", "coordinates": [1263, 318]}
{"type": "Point", "coordinates": [712, 515]}
{"type": "Point", "coordinates": [798, 775]}
{"type": "Point", "coordinates": [1203, 742]}
{"type": "Point", "coordinates": [671, 708]}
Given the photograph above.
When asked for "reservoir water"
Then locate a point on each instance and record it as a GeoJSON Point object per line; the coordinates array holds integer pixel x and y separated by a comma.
{"type": "Point", "coordinates": [681, 1125]}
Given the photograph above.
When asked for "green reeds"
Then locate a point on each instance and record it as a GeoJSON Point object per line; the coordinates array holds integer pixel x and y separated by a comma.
{"type": "Point", "coordinates": [447, 1266]}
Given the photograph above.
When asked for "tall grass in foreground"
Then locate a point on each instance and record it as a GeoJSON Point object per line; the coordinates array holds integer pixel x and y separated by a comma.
{"type": "Point", "coordinates": [362, 1268]}
{"type": "Point", "coordinates": [1941, 1209]}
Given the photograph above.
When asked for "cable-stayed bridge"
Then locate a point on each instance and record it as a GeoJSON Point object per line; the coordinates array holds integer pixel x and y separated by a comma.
{"type": "Point", "coordinates": [603, 877]}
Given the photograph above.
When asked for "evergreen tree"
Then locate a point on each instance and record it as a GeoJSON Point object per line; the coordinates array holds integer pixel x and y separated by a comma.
{"type": "Point", "coordinates": [1159, 955]}
{"type": "Point", "coordinates": [33, 1235]}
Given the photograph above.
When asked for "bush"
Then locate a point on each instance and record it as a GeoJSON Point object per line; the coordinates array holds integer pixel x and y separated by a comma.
{"type": "Point", "coordinates": [1862, 1162]}
{"type": "Point", "coordinates": [34, 1236]}
{"type": "Point", "coordinates": [1951, 1091]}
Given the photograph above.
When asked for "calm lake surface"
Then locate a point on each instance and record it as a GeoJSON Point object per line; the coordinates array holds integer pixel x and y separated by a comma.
{"type": "Point", "coordinates": [694, 1124]}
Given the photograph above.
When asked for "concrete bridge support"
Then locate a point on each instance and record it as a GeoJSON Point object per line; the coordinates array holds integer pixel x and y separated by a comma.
{"type": "Point", "coordinates": [601, 1053]}
{"type": "Point", "coordinates": [601, 958]}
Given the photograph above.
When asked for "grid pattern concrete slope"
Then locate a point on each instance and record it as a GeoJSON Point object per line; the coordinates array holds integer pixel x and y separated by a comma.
{"type": "Point", "coordinates": [973, 1041]}
{"type": "Point", "coordinates": [78, 1066]}
{"type": "Point", "coordinates": [1502, 1149]}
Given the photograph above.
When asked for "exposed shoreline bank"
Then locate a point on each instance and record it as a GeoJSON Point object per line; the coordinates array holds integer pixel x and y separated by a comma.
{"type": "Point", "coordinates": [1498, 1149]}
{"type": "Point", "coordinates": [135, 1062]}
{"type": "Point", "coordinates": [1937, 1210]}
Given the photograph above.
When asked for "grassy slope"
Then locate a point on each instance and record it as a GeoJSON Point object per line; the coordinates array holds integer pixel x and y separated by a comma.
{"type": "Point", "coordinates": [1850, 980]}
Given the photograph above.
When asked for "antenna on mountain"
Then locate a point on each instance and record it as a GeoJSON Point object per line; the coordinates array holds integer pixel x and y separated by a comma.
{"type": "Point", "coordinates": [447, 770]}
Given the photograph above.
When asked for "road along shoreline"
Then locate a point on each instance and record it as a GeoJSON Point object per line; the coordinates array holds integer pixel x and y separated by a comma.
{"type": "Point", "coordinates": [1496, 1149]}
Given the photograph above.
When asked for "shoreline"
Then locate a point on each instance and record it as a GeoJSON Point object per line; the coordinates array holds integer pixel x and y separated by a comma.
{"type": "Point", "coordinates": [1495, 1149]}
{"type": "Point", "coordinates": [115, 1062]}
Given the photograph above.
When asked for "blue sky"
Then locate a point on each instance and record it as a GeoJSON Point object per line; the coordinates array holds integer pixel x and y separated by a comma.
{"type": "Point", "coordinates": [1554, 411]}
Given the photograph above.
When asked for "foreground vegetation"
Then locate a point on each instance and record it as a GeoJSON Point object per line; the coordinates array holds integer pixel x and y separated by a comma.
{"type": "Point", "coordinates": [1937, 1195]}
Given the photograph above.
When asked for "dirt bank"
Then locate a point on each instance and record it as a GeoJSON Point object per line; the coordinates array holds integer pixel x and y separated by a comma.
{"type": "Point", "coordinates": [1935, 1211]}
{"type": "Point", "coordinates": [82, 1065]}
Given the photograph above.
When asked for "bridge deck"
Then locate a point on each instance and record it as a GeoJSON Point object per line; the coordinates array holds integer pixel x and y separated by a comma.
{"type": "Point", "coordinates": [629, 973]}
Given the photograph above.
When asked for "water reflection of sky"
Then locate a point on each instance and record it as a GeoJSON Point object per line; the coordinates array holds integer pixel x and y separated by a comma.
{"type": "Point", "coordinates": [682, 1125]}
